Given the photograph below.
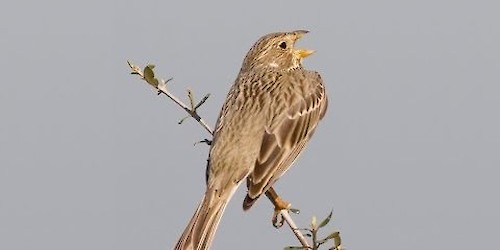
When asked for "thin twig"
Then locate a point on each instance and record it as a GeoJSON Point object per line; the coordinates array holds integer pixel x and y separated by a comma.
{"type": "Point", "coordinates": [286, 216]}
{"type": "Point", "coordinates": [161, 86]}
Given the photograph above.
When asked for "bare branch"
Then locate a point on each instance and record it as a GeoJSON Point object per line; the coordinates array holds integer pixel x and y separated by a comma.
{"type": "Point", "coordinates": [161, 85]}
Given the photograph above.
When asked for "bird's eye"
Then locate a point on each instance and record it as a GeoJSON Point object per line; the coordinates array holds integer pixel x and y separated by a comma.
{"type": "Point", "coordinates": [282, 45]}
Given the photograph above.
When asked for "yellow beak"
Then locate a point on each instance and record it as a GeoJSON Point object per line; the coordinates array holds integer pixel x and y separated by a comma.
{"type": "Point", "coordinates": [303, 53]}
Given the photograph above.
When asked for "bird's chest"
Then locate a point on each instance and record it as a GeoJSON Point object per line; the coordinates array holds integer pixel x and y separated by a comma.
{"type": "Point", "coordinates": [264, 93]}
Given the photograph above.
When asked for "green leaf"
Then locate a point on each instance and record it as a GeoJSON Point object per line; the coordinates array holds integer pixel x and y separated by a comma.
{"type": "Point", "coordinates": [313, 223]}
{"type": "Point", "coordinates": [337, 240]}
{"type": "Point", "coordinates": [149, 75]}
{"type": "Point", "coordinates": [326, 220]}
{"type": "Point", "coordinates": [333, 235]}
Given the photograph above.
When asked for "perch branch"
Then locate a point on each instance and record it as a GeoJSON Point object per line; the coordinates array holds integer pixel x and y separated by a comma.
{"type": "Point", "coordinates": [161, 87]}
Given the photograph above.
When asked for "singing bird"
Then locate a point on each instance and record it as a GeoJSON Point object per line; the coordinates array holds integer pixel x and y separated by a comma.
{"type": "Point", "coordinates": [269, 115]}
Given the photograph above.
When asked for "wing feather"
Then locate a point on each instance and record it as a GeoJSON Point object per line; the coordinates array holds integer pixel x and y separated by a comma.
{"type": "Point", "coordinates": [287, 136]}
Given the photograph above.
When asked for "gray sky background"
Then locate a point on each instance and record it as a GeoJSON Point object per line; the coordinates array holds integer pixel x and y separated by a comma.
{"type": "Point", "coordinates": [91, 158]}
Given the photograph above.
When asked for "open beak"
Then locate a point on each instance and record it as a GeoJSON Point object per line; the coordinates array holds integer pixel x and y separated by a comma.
{"type": "Point", "coordinates": [300, 52]}
{"type": "Point", "coordinates": [303, 53]}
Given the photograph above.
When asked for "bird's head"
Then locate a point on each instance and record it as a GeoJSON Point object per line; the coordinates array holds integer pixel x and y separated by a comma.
{"type": "Point", "coordinates": [276, 51]}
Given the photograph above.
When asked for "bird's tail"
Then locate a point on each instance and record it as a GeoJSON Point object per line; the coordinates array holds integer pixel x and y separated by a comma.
{"type": "Point", "coordinates": [200, 231]}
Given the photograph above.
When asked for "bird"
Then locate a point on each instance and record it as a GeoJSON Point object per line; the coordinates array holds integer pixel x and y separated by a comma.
{"type": "Point", "coordinates": [269, 115]}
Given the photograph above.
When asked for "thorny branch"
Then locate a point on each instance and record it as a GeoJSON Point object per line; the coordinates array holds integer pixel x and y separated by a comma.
{"type": "Point", "coordinates": [161, 85]}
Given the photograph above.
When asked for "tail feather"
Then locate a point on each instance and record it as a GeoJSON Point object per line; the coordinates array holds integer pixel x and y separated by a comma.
{"type": "Point", "coordinates": [248, 202]}
{"type": "Point", "coordinates": [200, 231]}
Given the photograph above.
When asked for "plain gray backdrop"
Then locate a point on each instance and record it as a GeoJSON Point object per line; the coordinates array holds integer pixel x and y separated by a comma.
{"type": "Point", "coordinates": [90, 158]}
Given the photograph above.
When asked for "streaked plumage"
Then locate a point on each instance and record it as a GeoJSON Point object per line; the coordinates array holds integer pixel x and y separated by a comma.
{"type": "Point", "coordinates": [269, 115]}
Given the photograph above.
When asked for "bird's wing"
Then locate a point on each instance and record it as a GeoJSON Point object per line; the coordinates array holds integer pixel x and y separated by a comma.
{"type": "Point", "coordinates": [287, 135]}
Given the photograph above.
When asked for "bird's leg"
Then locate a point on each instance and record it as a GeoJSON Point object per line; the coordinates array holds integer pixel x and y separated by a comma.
{"type": "Point", "coordinates": [279, 204]}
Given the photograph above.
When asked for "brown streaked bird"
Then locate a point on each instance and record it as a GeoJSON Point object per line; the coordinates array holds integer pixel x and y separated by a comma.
{"type": "Point", "coordinates": [269, 115]}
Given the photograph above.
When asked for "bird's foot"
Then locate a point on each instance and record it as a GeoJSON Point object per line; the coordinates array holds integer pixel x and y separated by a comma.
{"type": "Point", "coordinates": [280, 205]}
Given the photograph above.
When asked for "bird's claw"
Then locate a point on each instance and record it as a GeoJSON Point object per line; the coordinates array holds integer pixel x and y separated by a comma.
{"type": "Point", "coordinates": [277, 219]}
{"type": "Point", "coordinates": [281, 205]}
